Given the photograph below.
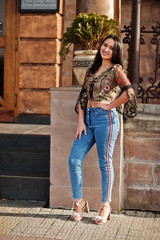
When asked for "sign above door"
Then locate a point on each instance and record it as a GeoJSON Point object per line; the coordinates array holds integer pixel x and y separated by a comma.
{"type": "Point", "coordinates": [27, 6]}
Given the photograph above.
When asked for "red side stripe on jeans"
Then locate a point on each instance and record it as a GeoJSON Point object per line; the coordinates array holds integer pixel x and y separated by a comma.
{"type": "Point", "coordinates": [107, 156]}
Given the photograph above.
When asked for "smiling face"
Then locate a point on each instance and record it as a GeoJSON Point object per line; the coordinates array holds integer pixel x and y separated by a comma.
{"type": "Point", "coordinates": [107, 49]}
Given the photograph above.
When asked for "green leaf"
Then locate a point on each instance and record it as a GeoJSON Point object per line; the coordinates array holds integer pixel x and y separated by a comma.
{"type": "Point", "coordinates": [87, 30]}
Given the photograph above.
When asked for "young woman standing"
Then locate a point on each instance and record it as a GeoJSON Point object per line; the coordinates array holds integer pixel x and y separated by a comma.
{"type": "Point", "coordinates": [98, 123]}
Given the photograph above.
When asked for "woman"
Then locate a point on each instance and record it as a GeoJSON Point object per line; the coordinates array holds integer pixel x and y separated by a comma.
{"type": "Point", "coordinates": [98, 123]}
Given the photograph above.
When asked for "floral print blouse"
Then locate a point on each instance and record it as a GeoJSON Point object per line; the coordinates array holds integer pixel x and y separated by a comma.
{"type": "Point", "coordinates": [105, 86]}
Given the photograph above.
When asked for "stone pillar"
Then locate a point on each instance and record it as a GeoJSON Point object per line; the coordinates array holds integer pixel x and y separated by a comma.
{"type": "Point", "coordinates": [117, 10]}
{"type": "Point", "coordinates": [105, 7]}
{"type": "Point", "coordinates": [69, 15]}
{"type": "Point", "coordinates": [63, 127]}
{"type": "Point", "coordinates": [117, 13]}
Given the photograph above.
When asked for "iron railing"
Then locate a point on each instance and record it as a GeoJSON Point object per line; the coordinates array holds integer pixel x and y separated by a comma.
{"type": "Point", "coordinates": [153, 90]}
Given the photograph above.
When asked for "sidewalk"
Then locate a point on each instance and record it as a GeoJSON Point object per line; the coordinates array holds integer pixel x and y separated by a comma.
{"type": "Point", "coordinates": [22, 220]}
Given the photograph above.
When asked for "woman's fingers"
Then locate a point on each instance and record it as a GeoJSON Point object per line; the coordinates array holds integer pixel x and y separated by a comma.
{"type": "Point", "coordinates": [76, 135]}
{"type": "Point", "coordinates": [96, 104]}
{"type": "Point", "coordinates": [102, 104]}
{"type": "Point", "coordinates": [80, 128]}
{"type": "Point", "coordinates": [80, 134]}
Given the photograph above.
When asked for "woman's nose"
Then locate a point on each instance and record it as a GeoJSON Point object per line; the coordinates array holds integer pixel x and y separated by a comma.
{"type": "Point", "coordinates": [106, 49]}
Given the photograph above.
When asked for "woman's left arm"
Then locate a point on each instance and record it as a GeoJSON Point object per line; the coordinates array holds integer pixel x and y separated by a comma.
{"type": "Point", "coordinates": [123, 98]}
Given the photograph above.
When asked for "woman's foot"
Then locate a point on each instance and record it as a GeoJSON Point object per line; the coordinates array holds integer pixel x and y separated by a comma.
{"type": "Point", "coordinates": [79, 205]}
{"type": "Point", "coordinates": [103, 213]}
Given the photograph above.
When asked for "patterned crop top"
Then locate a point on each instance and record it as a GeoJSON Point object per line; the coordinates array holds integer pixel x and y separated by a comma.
{"type": "Point", "coordinates": [106, 86]}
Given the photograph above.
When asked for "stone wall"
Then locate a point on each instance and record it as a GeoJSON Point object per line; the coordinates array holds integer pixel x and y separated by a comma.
{"type": "Point", "coordinates": [136, 157]}
{"type": "Point", "coordinates": [141, 165]}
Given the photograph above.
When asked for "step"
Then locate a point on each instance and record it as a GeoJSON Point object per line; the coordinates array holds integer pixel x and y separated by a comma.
{"type": "Point", "coordinates": [24, 173]}
{"type": "Point", "coordinates": [20, 159]}
{"type": "Point", "coordinates": [24, 185]}
{"type": "Point", "coordinates": [24, 188]}
{"type": "Point", "coordinates": [24, 162]}
{"type": "Point", "coordinates": [24, 142]}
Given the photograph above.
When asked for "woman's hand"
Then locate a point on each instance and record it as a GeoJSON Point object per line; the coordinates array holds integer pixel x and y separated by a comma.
{"type": "Point", "coordinates": [102, 104]}
{"type": "Point", "coordinates": [80, 128]}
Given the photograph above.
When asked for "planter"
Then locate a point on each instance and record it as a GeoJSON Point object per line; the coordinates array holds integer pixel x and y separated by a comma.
{"type": "Point", "coordinates": [82, 60]}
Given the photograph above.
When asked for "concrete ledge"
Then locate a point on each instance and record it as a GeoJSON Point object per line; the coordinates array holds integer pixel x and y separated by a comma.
{"type": "Point", "coordinates": [149, 108]}
{"type": "Point", "coordinates": [143, 122]}
{"type": "Point", "coordinates": [24, 129]}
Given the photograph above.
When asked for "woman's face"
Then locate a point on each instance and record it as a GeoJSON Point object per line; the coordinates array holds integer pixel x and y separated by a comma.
{"type": "Point", "coordinates": [107, 49]}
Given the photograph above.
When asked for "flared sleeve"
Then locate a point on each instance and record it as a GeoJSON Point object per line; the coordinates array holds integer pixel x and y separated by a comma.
{"type": "Point", "coordinates": [121, 79]}
{"type": "Point", "coordinates": [130, 107]}
{"type": "Point", "coordinates": [83, 96]}
{"type": "Point", "coordinates": [120, 76]}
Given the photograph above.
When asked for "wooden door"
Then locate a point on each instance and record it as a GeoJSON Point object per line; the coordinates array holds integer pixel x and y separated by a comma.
{"type": "Point", "coordinates": [7, 68]}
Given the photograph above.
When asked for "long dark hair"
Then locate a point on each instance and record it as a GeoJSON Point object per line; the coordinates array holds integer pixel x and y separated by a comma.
{"type": "Point", "coordinates": [116, 55]}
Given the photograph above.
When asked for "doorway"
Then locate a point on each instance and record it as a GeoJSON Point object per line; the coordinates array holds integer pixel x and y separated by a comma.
{"type": "Point", "coordinates": [7, 59]}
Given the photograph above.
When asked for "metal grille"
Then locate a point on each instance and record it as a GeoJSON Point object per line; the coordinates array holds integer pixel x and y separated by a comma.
{"type": "Point", "coordinates": [153, 90]}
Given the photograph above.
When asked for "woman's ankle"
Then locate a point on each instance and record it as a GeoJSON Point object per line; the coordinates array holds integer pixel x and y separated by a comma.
{"type": "Point", "coordinates": [78, 204]}
{"type": "Point", "coordinates": [106, 204]}
{"type": "Point", "coordinates": [77, 201]}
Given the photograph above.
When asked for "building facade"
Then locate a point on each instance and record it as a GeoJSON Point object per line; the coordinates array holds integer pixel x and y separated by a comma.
{"type": "Point", "coordinates": [29, 44]}
{"type": "Point", "coordinates": [30, 66]}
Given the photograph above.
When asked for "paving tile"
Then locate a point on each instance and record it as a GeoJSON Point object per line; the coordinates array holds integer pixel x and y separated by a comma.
{"type": "Point", "coordinates": [44, 238]}
{"type": "Point", "coordinates": [30, 221]}
{"type": "Point", "coordinates": [6, 237]}
{"type": "Point", "coordinates": [141, 214]}
{"type": "Point", "coordinates": [119, 237]}
{"type": "Point", "coordinates": [136, 238]}
{"type": "Point", "coordinates": [131, 213]}
{"type": "Point", "coordinates": [23, 238]}
{"type": "Point", "coordinates": [150, 215]}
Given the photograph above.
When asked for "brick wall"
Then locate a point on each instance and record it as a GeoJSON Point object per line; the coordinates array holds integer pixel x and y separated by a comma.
{"type": "Point", "coordinates": [141, 166]}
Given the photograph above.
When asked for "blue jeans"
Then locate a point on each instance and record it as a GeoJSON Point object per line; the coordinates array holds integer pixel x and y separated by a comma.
{"type": "Point", "coordinates": [102, 129]}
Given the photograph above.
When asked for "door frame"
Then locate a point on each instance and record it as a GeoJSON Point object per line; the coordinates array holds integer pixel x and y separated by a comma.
{"type": "Point", "coordinates": [8, 43]}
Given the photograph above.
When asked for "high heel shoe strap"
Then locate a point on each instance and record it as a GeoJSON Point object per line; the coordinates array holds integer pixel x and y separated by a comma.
{"type": "Point", "coordinates": [76, 202]}
{"type": "Point", "coordinates": [106, 214]}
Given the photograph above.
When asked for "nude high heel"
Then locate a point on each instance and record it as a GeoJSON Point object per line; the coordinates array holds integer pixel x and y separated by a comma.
{"type": "Point", "coordinates": [107, 214]}
{"type": "Point", "coordinates": [79, 216]}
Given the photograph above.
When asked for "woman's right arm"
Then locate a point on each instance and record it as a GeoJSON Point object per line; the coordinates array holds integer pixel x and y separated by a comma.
{"type": "Point", "coordinates": [81, 125]}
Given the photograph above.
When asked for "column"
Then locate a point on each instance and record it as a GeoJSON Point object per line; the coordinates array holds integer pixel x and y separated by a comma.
{"type": "Point", "coordinates": [105, 7]}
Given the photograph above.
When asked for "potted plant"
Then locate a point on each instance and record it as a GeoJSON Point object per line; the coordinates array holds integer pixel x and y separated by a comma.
{"type": "Point", "coordinates": [87, 32]}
